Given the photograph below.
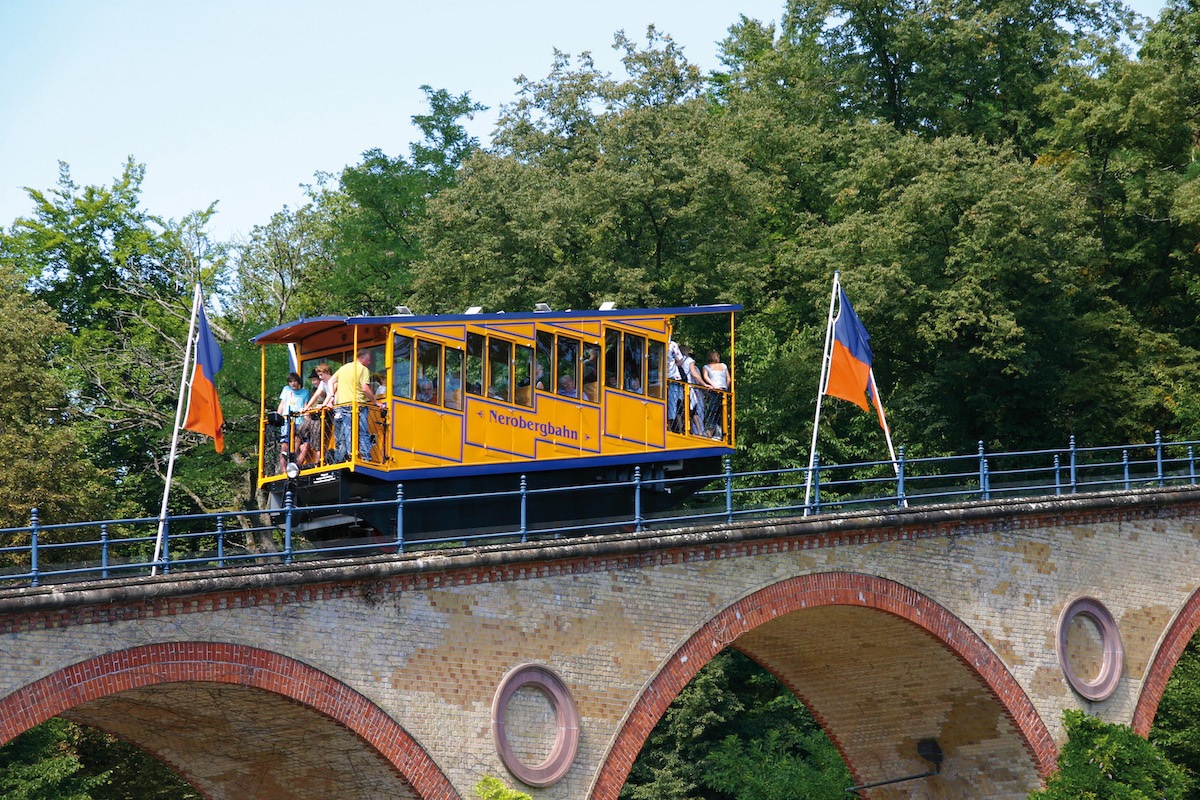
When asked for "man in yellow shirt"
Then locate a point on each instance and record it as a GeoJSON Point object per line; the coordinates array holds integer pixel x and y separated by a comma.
{"type": "Point", "coordinates": [352, 383]}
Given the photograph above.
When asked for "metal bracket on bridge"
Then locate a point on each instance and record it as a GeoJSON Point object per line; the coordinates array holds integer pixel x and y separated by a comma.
{"type": "Point", "coordinates": [927, 749]}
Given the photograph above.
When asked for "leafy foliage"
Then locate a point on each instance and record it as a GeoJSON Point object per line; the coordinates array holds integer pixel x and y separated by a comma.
{"type": "Point", "coordinates": [492, 788]}
{"type": "Point", "coordinates": [1175, 732]}
{"type": "Point", "coordinates": [1103, 761]}
{"type": "Point", "coordinates": [59, 760]}
{"type": "Point", "coordinates": [736, 733]}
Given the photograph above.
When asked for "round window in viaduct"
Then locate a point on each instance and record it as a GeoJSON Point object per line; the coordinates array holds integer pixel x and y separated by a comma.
{"type": "Point", "coordinates": [1090, 653]}
{"type": "Point", "coordinates": [534, 717]}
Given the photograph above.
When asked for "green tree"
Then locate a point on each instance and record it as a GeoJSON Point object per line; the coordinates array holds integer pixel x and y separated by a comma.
{"type": "Point", "coordinates": [121, 280]}
{"type": "Point", "coordinates": [61, 760]}
{"type": "Point", "coordinates": [379, 207]}
{"type": "Point", "coordinates": [736, 733]}
{"type": "Point", "coordinates": [40, 422]}
{"type": "Point", "coordinates": [598, 189]}
{"type": "Point", "coordinates": [130, 773]}
{"type": "Point", "coordinates": [1104, 761]}
{"type": "Point", "coordinates": [43, 764]}
{"type": "Point", "coordinates": [949, 66]}
{"type": "Point", "coordinates": [1175, 731]}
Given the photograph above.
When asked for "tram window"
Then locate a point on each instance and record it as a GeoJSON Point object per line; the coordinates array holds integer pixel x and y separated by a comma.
{"type": "Point", "coordinates": [402, 366]}
{"type": "Point", "coordinates": [612, 359]}
{"type": "Point", "coordinates": [453, 384]}
{"type": "Point", "coordinates": [654, 374]}
{"type": "Point", "coordinates": [635, 346]}
{"type": "Point", "coordinates": [474, 376]}
{"type": "Point", "coordinates": [567, 375]}
{"type": "Point", "coordinates": [545, 358]}
{"type": "Point", "coordinates": [591, 371]}
{"type": "Point", "coordinates": [429, 368]}
{"type": "Point", "coordinates": [499, 368]}
{"type": "Point", "coordinates": [522, 370]}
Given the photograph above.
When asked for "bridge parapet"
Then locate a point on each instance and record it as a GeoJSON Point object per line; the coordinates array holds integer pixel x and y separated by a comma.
{"type": "Point", "coordinates": [77, 551]}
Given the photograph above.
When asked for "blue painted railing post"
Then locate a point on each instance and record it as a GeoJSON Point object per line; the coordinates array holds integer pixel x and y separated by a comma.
{"type": "Point", "coordinates": [165, 563]}
{"type": "Point", "coordinates": [1158, 457]}
{"type": "Point", "coordinates": [986, 475]}
{"type": "Point", "coordinates": [1125, 467]}
{"type": "Point", "coordinates": [289, 506]}
{"type": "Point", "coordinates": [104, 551]}
{"type": "Point", "coordinates": [637, 499]}
{"type": "Point", "coordinates": [1191, 465]}
{"type": "Point", "coordinates": [982, 467]}
{"type": "Point", "coordinates": [524, 510]}
{"type": "Point", "coordinates": [728, 490]}
{"type": "Point", "coordinates": [399, 517]}
{"type": "Point", "coordinates": [221, 541]}
{"type": "Point", "coordinates": [33, 547]}
{"type": "Point", "coordinates": [1074, 466]}
{"type": "Point", "coordinates": [900, 501]}
{"type": "Point", "coordinates": [1057, 474]}
{"type": "Point", "coordinates": [816, 483]}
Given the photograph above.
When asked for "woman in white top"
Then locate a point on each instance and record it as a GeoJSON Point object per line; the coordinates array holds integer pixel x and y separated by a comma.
{"type": "Point", "coordinates": [717, 375]}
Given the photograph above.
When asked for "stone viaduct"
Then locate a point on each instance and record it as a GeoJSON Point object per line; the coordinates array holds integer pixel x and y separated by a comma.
{"type": "Point", "coordinates": [547, 665]}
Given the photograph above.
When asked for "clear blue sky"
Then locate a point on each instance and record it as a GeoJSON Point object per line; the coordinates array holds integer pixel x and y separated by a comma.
{"type": "Point", "coordinates": [242, 101]}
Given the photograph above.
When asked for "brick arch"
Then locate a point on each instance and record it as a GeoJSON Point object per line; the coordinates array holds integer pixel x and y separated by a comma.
{"type": "Point", "coordinates": [1166, 656]}
{"type": "Point", "coordinates": [231, 664]}
{"type": "Point", "coordinates": [809, 592]}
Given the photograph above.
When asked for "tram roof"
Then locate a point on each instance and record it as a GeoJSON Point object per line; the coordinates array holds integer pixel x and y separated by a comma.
{"type": "Point", "coordinates": [303, 328]}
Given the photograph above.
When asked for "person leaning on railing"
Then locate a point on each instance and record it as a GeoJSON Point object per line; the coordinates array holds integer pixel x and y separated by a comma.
{"type": "Point", "coordinates": [717, 375]}
{"type": "Point", "coordinates": [311, 430]}
{"type": "Point", "coordinates": [352, 384]}
{"type": "Point", "coordinates": [292, 399]}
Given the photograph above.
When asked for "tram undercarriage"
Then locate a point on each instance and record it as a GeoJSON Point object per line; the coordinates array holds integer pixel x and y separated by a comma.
{"type": "Point", "coordinates": [568, 502]}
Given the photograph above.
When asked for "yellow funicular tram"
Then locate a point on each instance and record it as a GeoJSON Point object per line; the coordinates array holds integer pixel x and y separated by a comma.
{"type": "Point", "coordinates": [472, 403]}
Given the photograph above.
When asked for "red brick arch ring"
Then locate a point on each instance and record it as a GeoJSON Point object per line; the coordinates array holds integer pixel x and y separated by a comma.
{"type": "Point", "coordinates": [212, 662]}
{"type": "Point", "coordinates": [1170, 648]}
{"type": "Point", "coordinates": [812, 591]}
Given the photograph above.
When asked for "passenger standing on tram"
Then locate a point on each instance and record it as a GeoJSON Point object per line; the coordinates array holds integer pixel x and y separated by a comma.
{"type": "Point", "coordinates": [352, 383]}
{"type": "Point", "coordinates": [717, 375]}
{"type": "Point", "coordinates": [292, 399]}
{"type": "Point", "coordinates": [674, 389]}
{"type": "Point", "coordinates": [311, 429]}
{"type": "Point", "coordinates": [691, 374]}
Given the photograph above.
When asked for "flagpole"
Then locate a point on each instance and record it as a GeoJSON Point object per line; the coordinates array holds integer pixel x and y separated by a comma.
{"type": "Point", "coordinates": [887, 431]}
{"type": "Point", "coordinates": [812, 451]}
{"type": "Point", "coordinates": [197, 299]}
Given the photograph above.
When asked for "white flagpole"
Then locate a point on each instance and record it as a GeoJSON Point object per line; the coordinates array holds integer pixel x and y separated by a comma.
{"type": "Point", "coordinates": [197, 299]}
{"type": "Point", "coordinates": [825, 354]}
{"type": "Point", "coordinates": [887, 431]}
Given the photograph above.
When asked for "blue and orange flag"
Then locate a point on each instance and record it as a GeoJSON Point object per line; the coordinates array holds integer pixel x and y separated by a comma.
{"type": "Point", "coordinates": [204, 407]}
{"type": "Point", "coordinates": [850, 373]}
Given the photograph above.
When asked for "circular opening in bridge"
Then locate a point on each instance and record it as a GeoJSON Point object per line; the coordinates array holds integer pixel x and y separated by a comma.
{"type": "Point", "coordinates": [535, 725]}
{"type": "Point", "coordinates": [531, 724]}
{"type": "Point", "coordinates": [1090, 653]}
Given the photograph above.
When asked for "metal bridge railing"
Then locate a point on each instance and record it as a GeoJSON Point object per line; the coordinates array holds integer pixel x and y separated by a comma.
{"type": "Point", "coordinates": [120, 549]}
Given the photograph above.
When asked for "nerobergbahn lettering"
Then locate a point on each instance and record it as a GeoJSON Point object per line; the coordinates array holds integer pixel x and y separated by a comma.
{"type": "Point", "coordinates": [541, 428]}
